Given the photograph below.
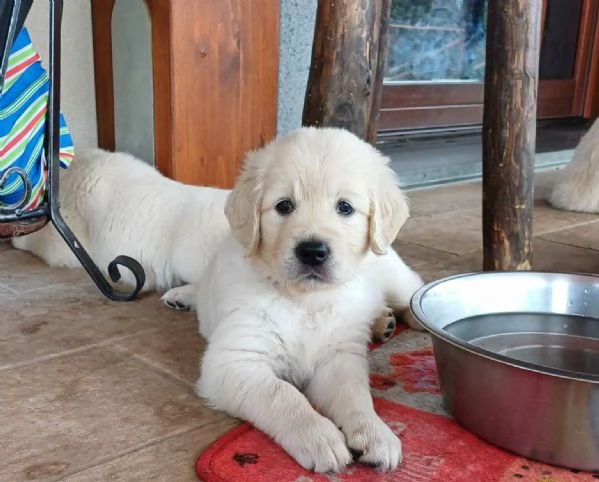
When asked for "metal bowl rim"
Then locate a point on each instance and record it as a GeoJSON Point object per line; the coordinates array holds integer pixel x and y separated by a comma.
{"type": "Point", "coordinates": [415, 307]}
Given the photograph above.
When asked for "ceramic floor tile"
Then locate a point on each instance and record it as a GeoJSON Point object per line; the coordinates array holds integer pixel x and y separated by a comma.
{"type": "Point", "coordinates": [457, 232]}
{"type": "Point", "coordinates": [77, 411]}
{"type": "Point", "coordinates": [62, 318]}
{"type": "Point", "coordinates": [469, 263]}
{"type": "Point", "coordinates": [23, 272]}
{"type": "Point", "coordinates": [170, 460]}
{"type": "Point", "coordinates": [548, 219]}
{"type": "Point", "coordinates": [585, 236]}
{"type": "Point", "coordinates": [424, 202]}
{"type": "Point", "coordinates": [423, 260]}
{"type": "Point", "coordinates": [561, 258]}
{"type": "Point", "coordinates": [176, 351]}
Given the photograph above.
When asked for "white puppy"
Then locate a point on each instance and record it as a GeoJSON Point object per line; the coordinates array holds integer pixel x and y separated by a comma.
{"type": "Point", "coordinates": [576, 187]}
{"type": "Point", "coordinates": [287, 303]}
{"type": "Point", "coordinates": [118, 205]}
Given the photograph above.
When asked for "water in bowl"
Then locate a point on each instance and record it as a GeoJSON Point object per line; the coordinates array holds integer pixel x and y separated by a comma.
{"type": "Point", "coordinates": [566, 342]}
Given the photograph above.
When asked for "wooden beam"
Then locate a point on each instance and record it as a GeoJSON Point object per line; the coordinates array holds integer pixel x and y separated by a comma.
{"type": "Point", "coordinates": [348, 60]}
{"type": "Point", "coordinates": [160, 18]}
{"type": "Point", "coordinates": [224, 72]}
{"type": "Point", "coordinates": [102, 41]}
{"type": "Point", "coordinates": [509, 132]}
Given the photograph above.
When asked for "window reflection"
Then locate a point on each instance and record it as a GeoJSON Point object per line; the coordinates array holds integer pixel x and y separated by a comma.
{"type": "Point", "coordinates": [436, 40]}
{"type": "Point", "coordinates": [444, 40]}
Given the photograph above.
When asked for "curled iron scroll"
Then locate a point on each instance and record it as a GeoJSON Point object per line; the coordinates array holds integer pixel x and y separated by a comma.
{"type": "Point", "coordinates": [137, 271]}
{"type": "Point", "coordinates": [10, 208]}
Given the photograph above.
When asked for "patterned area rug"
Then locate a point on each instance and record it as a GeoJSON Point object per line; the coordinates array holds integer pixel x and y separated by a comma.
{"type": "Point", "coordinates": [407, 396]}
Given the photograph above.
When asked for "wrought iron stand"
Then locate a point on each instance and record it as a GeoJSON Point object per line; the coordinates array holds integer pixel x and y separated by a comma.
{"type": "Point", "coordinates": [14, 219]}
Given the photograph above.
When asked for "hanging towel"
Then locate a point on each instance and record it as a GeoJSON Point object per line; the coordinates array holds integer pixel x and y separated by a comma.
{"type": "Point", "coordinates": [23, 112]}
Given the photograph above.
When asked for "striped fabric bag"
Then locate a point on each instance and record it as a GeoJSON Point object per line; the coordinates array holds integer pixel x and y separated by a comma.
{"type": "Point", "coordinates": [23, 108]}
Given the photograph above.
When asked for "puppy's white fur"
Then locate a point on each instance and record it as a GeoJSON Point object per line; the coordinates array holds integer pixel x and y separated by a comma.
{"type": "Point", "coordinates": [118, 205]}
{"type": "Point", "coordinates": [576, 186]}
{"type": "Point", "coordinates": [287, 346]}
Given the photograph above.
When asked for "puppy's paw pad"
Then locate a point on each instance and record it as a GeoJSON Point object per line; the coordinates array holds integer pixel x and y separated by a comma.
{"type": "Point", "coordinates": [373, 443]}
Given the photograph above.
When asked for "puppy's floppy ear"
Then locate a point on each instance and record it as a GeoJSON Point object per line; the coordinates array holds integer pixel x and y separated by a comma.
{"type": "Point", "coordinates": [389, 211]}
{"type": "Point", "coordinates": [243, 208]}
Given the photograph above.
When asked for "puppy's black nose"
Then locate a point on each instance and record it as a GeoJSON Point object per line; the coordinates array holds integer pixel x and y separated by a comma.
{"type": "Point", "coordinates": [312, 253]}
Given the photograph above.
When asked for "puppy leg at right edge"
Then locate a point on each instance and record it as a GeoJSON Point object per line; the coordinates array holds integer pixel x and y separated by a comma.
{"type": "Point", "coordinates": [398, 282]}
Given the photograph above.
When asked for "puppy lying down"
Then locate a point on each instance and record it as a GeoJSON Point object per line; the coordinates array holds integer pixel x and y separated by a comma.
{"type": "Point", "coordinates": [116, 204]}
{"type": "Point", "coordinates": [287, 302]}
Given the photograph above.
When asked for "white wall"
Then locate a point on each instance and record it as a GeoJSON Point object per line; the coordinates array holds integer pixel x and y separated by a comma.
{"type": "Point", "coordinates": [78, 102]}
{"type": "Point", "coordinates": [295, 54]}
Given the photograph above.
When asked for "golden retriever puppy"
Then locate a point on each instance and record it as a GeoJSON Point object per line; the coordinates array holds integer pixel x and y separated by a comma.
{"type": "Point", "coordinates": [287, 303]}
{"type": "Point", "coordinates": [576, 187]}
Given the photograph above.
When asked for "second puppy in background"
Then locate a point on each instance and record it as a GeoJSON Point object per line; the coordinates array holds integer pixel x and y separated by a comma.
{"type": "Point", "coordinates": [576, 186]}
{"type": "Point", "coordinates": [118, 205]}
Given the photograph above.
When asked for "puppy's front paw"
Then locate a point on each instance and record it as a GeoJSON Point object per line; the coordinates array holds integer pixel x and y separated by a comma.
{"type": "Point", "coordinates": [319, 447]}
{"type": "Point", "coordinates": [384, 326]}
{"type": "Point", "coordinates": [372, 442]}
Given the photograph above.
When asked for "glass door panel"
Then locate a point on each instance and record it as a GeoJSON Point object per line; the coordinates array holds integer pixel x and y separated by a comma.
{"type": "Point", "coordinates": [436, 60]}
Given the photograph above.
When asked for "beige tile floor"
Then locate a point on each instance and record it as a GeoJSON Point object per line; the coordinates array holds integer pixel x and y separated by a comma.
{"type": "Point", "coordinates": [92, 390]}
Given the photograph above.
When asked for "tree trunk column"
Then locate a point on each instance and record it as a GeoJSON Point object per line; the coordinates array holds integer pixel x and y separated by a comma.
{"type": "Point", "coordinates": [348, 60]}
{"type": "Point", "coordinates": [509, 132]}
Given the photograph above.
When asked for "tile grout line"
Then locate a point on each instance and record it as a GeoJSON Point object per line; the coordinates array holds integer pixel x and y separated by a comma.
{"type": "Point", "coordinates": [80, 349]}
{"type": "Point", "coordinates": [572, 226]}
{"type": "Point", "coordinates": [47, 287]}
{"type": "Point", "coordinates": [456, 255]}
{"type": "Point", "coordinates": [152, 365]}
{"type": "Point", "coordinates": [561, 243]}
{"type": "Point", "coordinates": [535, 236]}
{"type": "Point", "coordinates": [148, 443]}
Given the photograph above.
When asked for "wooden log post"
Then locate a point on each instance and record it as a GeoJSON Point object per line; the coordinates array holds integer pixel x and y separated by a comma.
{"type": "Point", "coordinates": [348, 62]}
{"type": "Point", "coordinates": [509, 132]}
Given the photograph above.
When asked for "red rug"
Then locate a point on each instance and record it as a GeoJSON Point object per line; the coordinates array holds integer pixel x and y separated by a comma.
{"type": "Point", "coordinates": [435, 448]}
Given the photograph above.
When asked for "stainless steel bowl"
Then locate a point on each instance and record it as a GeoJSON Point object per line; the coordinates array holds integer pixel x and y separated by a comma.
{"type": "Point", "coordinates": [518, 360]}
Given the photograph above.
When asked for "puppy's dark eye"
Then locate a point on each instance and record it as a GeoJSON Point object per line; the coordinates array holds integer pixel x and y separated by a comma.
{"type": "Point", "coordinates": [344, 208]}
{"type": "Point", "coordinates": [285, 207]}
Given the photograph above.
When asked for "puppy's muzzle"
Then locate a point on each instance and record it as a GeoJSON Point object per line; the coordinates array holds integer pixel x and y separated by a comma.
{"type": "Point", "coordinates": [312, 253]}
